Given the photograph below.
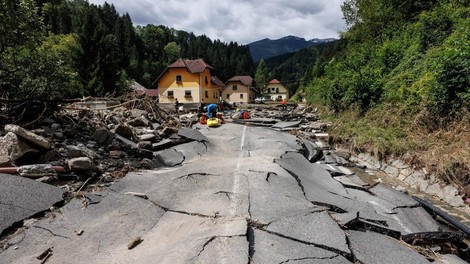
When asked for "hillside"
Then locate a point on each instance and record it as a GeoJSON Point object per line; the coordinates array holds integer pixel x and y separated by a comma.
{"type": "Point", "coordinates": [267, 48]}
{"type": "Point", "coordinates": [401, 85]}
{"type": "Point", "coordinates": [297, 69]}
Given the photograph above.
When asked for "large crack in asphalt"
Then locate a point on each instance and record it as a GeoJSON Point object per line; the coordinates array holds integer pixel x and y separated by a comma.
{"type": "Point", "coordinates": [192, 175]}
{"type": "Point", "coordinates": [166, 209]}
{"type": "Point", "coordinates": [205, 244]}
{"type": "Point", "coordinates": [299, 182]}
{"type": "Point", "coordinates": [48, 230]}
{"type": "Point", "coordinates": [250, 236]}
{"type": "Point", "coordinates": [347, 255]}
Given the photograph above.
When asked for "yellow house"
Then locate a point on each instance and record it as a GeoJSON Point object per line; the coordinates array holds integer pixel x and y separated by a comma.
{"type": "Point", "coordinates": [189, 81]}
{"type": "Point", "coordinates": [239, 89]}
{"type": "Point", "coordinates": [276, 90]}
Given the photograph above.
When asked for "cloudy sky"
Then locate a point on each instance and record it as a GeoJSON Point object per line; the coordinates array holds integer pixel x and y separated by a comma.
{"type": "Point", "coordinates": [242, 21]}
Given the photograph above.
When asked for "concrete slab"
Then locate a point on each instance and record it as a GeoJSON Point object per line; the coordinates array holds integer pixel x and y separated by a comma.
{"type": "Point", "coordinates": [351, 180]}
{"type": "Point", "coordinates": [283, 125]}
{"type": "Point", "coordinates": [269, 143]}
{"type": "Point", "coordinates": [413, 220]}
{"type": "Point", "coordinates": [280, 190]}
{"type": "Point", "coordinates": [269, 248]}
{"type": "Point", "coordinates": [344, 218]}
{"type": "Point", "coordinates": [264, 120]}
{"type": "Point", "coordinates": [330, 159]}
{"type": "Point", "coordinates": [315, 228]}
{"type": "Point", "coordinates": [163, 144]}
{"type": "Point", "coordinates": [401, 213]}
{"type": "Point", "coordinates": [398, 198]}
{"type": "Point", "coordinates": [192, 134]}
{"type": "Point", "coordinates": [370, 247]}
{"type": "Point", "coordinates": [168, 158]}
{"type": "Point", "coordinates": [312, 152]}
{"type": "Point", "coordinates": [21, 198]}
{"type": "Point", "coordinates": [345, 170]}
{"type": "Point", "coordinates": [381, 206]}
{"type": "Point", "coordinates": [332, 169]}
{"type": "Point", "coordinates": [311, 176]}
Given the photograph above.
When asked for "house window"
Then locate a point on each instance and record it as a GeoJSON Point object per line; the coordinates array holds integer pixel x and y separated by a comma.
{"type": "Point", "coordinates": [187, 93]}
{"type": "Point", "coordinates": [234, 87]}
{"type": "Point", "coordinates": [272, 90]}
{"type": "Point", "coordinates": [206, 80]}
{"type": "Point", "coordinates": [277, 90]}
{"type": "Point", "coordinates": [206, 93]}
{"type": "Point", "coordinates": [228, 96]}
{"type": "Point", "coordinates": [169, 94]}
{"type": "Point", "coordinates": [179, 78]}
{"type": "Point", "coordinates": [241, 96]}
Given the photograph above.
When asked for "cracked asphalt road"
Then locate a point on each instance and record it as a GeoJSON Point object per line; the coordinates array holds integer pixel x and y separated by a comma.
{"type": "Point", "coordinates": [240, 195]}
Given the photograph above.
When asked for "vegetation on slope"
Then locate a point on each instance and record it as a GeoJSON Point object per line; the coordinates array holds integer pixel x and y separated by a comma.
{"type": "Point", "coordinates": [401, 85]}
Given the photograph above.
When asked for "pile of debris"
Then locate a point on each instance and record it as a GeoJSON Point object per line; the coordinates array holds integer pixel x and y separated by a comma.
{"type": "Point", "coordinates": [79, 145]}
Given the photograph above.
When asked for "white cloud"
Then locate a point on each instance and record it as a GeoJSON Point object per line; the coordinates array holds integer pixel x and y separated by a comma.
{"type": "Point", "coordinates": [242, 21]}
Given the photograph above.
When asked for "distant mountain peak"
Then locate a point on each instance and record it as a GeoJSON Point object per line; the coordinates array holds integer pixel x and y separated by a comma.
{"type": "Point", "coordinates": [292, 37]}
{"type": "Point", "coordinates": [267, 48]}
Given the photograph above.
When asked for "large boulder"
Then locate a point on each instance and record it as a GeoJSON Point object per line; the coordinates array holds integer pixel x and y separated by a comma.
{"type": "Point", "coordinates": [103, 136]}
{"type": "Point", "coordinates": [12, 148]}
{"type": "Point", "coordinates": [28, 136]}
{"type": "Point", "coordinates": [124, 131]}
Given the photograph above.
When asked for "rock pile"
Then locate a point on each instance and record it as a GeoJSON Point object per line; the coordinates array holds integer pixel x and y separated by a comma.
{"type": "Point", "coordinates": [81, 144]}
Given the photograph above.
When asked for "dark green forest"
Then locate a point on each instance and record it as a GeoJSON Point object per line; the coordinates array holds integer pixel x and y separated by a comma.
{"type": "Point", "coordinates": [298, 69]}
{"type": "Point", "coordinates": [68, 48]}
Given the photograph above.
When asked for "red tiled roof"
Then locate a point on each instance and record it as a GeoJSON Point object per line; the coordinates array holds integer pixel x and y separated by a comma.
{"type": "Point", "coordinates": [197, 66]}
{"type": "Point", "coordinates": [217, 81]}
{"type": "Point", "coordinates": [274, 81]}
{"type": "Point", "coordinates": [246, 80]}
{"type": "Point", "coordinates": [147, 92]}
{"type": "Point", "coordinates": [177, 64]}
{"type": "Point", "coordinates": [152, 92]}
{"type": "Point", "coordinates": [193, 66]}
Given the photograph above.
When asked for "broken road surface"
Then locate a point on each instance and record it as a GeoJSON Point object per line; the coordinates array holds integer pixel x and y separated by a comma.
{"type": "Point", "coordinates": [237, 194]}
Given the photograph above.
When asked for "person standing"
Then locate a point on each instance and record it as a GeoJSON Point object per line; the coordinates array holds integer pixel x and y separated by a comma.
{"type": "Point", "coordinates": [177, 105]}
{"type": "Point", "coordinates": [284, 104]}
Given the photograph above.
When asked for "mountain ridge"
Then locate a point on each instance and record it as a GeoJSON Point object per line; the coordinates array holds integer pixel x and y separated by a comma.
{"type": "Point", "coordinates": [267, 48]}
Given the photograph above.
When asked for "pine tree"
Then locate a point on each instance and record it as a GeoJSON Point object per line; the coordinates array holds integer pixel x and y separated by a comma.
{"type": "Point", "coordinates": [261, 75]}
